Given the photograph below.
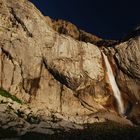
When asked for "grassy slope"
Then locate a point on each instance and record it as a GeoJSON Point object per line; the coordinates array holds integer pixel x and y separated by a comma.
{"type": "Point", "coordinates": [8, 95]}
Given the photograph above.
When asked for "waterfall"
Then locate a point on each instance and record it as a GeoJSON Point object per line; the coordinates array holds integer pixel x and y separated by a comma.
{"type": "Point", "coordinates": [112, 81]}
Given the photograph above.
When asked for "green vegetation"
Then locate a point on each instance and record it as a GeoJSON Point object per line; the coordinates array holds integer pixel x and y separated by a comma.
{"type": "Point", "coordinates": [8, 95]}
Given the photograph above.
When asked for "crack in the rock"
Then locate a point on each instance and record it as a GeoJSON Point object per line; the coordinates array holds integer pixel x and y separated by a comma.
{"type": "Point", "coordinates": [1, 69]}
{"type": "Point", "coordinates": [85, 104]}
{"type": "Point", "coordinates": [8, 55]}
{"type": "Point", "coordinates": [20, 65]}
{"type": "Point", "coordinates": [20, 22]}
{"type": "Point", "coordinates": [59, 76]}
{"type": "Point", "coordinates": [61, 91]}
{"type": "Point", "coordinates": [12, 80]}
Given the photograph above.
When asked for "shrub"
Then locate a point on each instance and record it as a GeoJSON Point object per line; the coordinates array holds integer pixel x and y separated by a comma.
{"type": "Point", "coordinates": [6, 94]}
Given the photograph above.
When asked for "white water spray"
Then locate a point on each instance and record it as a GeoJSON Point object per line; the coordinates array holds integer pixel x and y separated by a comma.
{"type": "Point", "coordinates": [116, 91]}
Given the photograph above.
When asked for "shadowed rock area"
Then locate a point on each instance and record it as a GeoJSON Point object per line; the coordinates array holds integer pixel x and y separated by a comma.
{"type": "Point", "coordinates": [59, 74]}
{"type": "Point", "coordinates": [69, 29]}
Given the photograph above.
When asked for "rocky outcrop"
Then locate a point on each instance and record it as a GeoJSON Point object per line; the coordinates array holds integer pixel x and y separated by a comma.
{"type": "Point", "coordinates": [127, 57]}
{"type": "Point", "coordinates": [65, 27]}
{"type": "Point", "coordinates": [24, 118]}
{"type": "Point", "coordinates": [69, 29]}
{"type": "Point", "coordinates": [60, 74]}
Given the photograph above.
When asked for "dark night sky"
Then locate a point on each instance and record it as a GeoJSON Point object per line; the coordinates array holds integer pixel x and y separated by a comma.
{"type": "Point", "coordinates": [110, 19]}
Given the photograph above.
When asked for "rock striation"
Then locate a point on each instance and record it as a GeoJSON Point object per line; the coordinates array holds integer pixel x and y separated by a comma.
{"type": "Point", "coordinates": [62, 74]}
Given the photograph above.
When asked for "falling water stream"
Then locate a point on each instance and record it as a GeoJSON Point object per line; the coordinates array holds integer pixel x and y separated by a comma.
{"type": "Point", "coordinates": [116, 91]}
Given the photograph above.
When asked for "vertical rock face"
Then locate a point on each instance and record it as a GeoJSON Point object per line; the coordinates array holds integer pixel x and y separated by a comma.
{"type": "Point", "coordinates": [39, 65]}
{"type": "Point", "coordinates": [128, 59]}
{"type": "Point", "coordinates": [58, 72]}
